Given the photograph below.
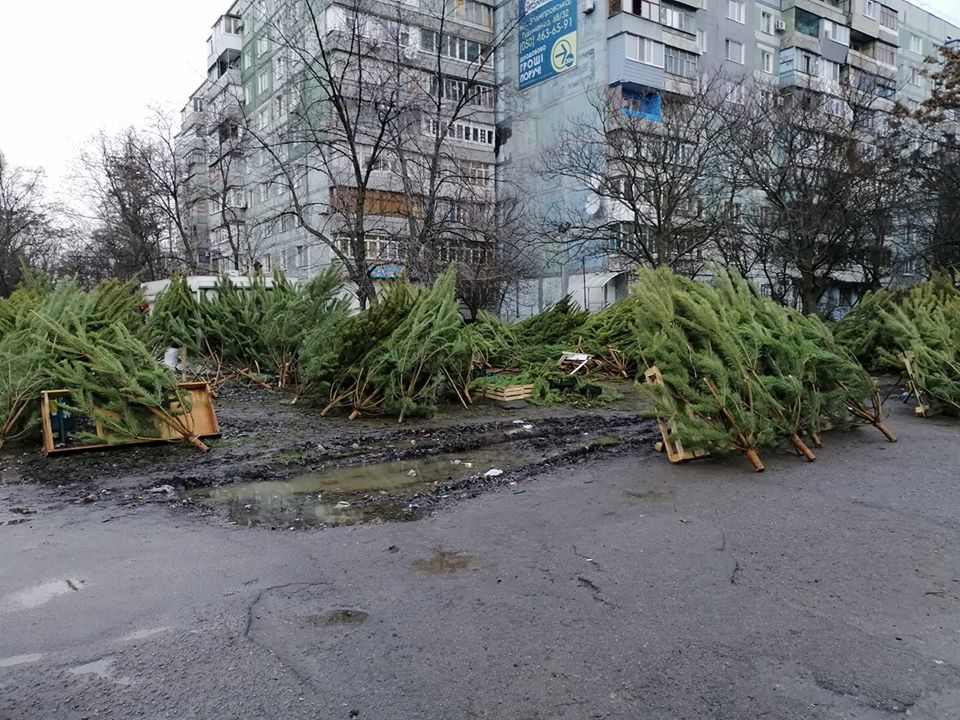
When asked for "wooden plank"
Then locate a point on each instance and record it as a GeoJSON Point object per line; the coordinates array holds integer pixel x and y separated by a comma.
{"type": "Point", "coordinates": [676, 453]}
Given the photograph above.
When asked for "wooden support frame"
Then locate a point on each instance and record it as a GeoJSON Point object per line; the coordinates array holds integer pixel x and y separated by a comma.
{"type": "Point", "coordinates": [201, 421]}
{"type": "Point", "coordinates": [676, 452]}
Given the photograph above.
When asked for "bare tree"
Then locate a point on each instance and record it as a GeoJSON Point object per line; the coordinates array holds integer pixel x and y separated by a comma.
{"type": "Point", "coordinates": [357, 144]}
{"type": "Point", "coordinates": [809, 163]}
{"type": "Point", "coordinates": [649, 167]}
{"type": "Point", "coordinates": [30, 234]}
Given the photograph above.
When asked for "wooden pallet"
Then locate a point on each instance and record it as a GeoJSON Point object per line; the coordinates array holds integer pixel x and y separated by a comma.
{"type": "Point", "coordinates": [668, 430]}
{"type": "Point", "coordinates": [507, 392]}
{"type": "Point", "coordinates": [201, 421]}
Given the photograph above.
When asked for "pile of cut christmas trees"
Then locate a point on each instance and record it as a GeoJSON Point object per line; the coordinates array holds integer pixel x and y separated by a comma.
{"type": "Point", "coordinates": [914, 331]}
{"type": "Point", "coordinates": [732, 371]}
{"type": "Point", "coordinates": [89, 343]}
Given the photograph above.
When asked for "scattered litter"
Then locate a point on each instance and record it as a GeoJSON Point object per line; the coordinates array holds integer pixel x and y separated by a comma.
{"type": "Point", "coordinates": [168, 489]}
{"type": "Point", "coordinates": [414, 506]}
{"type": "Point", "coordinates": [342, 504]}
{"type": "Point", "coordinates": [528, 427]}
{"type": "Point", "coordinates": [684, 520]}
{"type": "Point", "coordinates": [22, 511]}
{"type": "Point", "coordinates": [87, 498]}
{"type": "Point", "coordinates": [393, 549]}
{"type": "Point", "coordinates": [321, 448]}
{"type": "Point", "coordinates": [519, 422]}
{"type": "Point", "coordinates": [512, 483]}
{"type": "Point", "coordinates": [412, 473]}
{"type": "Point", "coordinates": [493, 472]}
{"type": "Point", "coordinates": [456, 462]}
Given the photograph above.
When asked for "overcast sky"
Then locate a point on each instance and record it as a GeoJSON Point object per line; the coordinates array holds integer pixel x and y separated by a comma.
{"type": "Point", "coordinates": [71, 67]}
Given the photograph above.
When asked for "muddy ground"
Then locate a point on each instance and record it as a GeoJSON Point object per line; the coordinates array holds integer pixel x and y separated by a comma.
{"type": "Point", "coordinates": [282, 465]}
{"type": "Point", "coordinates": [592, 579]}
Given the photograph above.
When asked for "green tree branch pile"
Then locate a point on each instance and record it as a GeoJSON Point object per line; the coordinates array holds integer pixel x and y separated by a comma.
{"type": "Point", "coordinates": [740, 372]}
{"type": "Point", "coordinates": [398, 355]}
{"type": "Point", "coordinates": [88, 343]}
{"type": "Point", "coordinates": [260, 329]}
{"type": "Point", "coordinates": [923, 324]}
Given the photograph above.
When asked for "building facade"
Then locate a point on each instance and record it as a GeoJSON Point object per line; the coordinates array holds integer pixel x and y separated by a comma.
{"type": "Point", "coordinates": [486, 91]}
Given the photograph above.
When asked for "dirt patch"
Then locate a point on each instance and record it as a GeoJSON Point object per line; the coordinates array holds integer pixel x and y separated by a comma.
{"type": "Point", "coordinates": [281, 465]}
{"type": "Point", "coordinates": [346, 616]}
{"type": "Point", "coordinates": [443, 561]}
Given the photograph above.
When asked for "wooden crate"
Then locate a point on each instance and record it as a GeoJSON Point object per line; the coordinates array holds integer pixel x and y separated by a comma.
{"type": "Point", "coordinates": [507, 392]}
{"type": "Point", "coordinates": [201, 421]}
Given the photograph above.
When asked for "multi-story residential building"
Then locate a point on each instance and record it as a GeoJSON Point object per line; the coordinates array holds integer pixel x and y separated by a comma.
{"type": "Point", "coordinates": [548, 62]}
{"type": "Point", "coordinates": [646, 51]}
{"type": "Point", "coordinates": [401, 113]}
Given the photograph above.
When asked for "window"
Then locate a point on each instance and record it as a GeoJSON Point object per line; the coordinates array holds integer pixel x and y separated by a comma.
{"type": "Point", "coordinates": [680, 62]}
{"type": "Point", "coordinates": [915, 76]}
{"type": "Point", "coordinates": [888, 17]}
{"type": "Point", "coordinates": [885, 54]}
{"type": "Point", "coordinates": [916, 44]}
{"type": "Point", "coordinates": [678, 18]}
{"type": "Point", "coordinates": [735, 51]}
{"type": "Point", "coordinates": [450, 46]}
{"type": "Point", "coordinates": [477, 173]}
{"type": "Point", "coordinates": [806, 63]}
{"type": "Point", "coordinates": [197, 104]}
{"type": "Point", "coordinates": [246, 95]}
{"type": "Point", "coordinates": [264, 192]}
{"type": "Point", "coordinates": [766, 22]}
{"type": "Point", "coordinates": [833, 106]}
{"type": "Point", "coordinates": [837, 33]}
{"type": "Point", "coordinates": [766, 60]}
{"type": "Point", "coordinates": [303, 254]}
{"type": "Point", "coordinates": [263, 45]}
{"type": "Point", "coordinates": [463, 131]}
{"type": "Point", "coordinates": [735, 10]}
{"type": "Point", "coordinates": [806, 22]}
{"type": "Point", "coordinates": [644, 50]}
{"type": "Point", "coordinates": [830, 71]}
{"type": "Point", "coordinates": [870, 8]}
{"type": "Point", "coordinates": [913, 105]}
{"type": "Point", "coordinates": [475, 12]}
{"type": "Point", "coordinates": [263, 82]}
{"type": "Point", "coordinates": [454, 90]}
{"type": "Point", "coordinates": [232, 25]}
{"type": "Point", "coordinates": [702, 40]}
{"type": "Point", "coordinates": [736, 94]}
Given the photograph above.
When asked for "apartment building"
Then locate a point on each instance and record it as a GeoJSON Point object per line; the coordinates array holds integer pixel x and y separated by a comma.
{"type": "Point", "coordinates": [648, 50]}
{"type": "Point", "coordinates": [528, 67]}
{"type": "Point", "coordinates": [416, 81]}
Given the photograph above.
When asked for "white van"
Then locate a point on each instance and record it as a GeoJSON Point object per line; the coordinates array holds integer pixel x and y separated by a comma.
{"type": "Point", "coordinates": [203, 287]}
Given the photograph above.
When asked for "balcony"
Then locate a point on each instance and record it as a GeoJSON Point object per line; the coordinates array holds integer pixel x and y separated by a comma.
{"type": "Point", "coordinates": [225, 40]}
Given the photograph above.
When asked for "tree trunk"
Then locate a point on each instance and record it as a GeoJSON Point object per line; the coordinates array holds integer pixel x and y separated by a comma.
{"type": "Point", "coordinates": [809, 293]}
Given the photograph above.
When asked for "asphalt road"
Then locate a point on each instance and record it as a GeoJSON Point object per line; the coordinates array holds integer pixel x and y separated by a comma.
{"type": "Point", "coordinates": [626, 588]}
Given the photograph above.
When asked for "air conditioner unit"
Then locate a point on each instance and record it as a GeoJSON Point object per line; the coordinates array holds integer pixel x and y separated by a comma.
{"type": "Point", "coordinates": [587, 6]}
{"type": "Point", "coordinates": [780, 26]}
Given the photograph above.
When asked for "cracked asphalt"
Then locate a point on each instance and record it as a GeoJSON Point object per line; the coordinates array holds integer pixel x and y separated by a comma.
{"type": "Point", "coordinates": [617, 588]}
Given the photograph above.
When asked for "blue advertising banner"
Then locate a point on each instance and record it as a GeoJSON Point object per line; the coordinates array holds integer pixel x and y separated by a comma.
{"type": "Point", "coordinates": [548, 39]}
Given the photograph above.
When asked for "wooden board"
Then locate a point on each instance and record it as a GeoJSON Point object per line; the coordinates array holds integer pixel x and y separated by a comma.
{"type": "Point", "coordinates": [201, 420]}
{"type": "Point", "coordinates": [507, 392]}
{"type": "Point", "coordinates": [668, 429]}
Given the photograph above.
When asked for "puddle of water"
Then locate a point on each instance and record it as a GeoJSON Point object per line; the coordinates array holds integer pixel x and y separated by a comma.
{"type": "Point", "coordinates": [443, 562]}
{"type": "Point", "coordinates": [328, 498]}
{"type": "Point", "coordinates": [19, 660]}
{"type": "Point", "coordinates": [102, 668]}
{"type": "Point", "coordinates": [39, 594]}
{"type": "Point", "coordinates": [338, 617]}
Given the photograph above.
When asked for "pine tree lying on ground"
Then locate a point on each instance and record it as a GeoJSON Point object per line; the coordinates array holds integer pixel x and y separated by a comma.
{"type": "Point", "coordinates": [742, 373]}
